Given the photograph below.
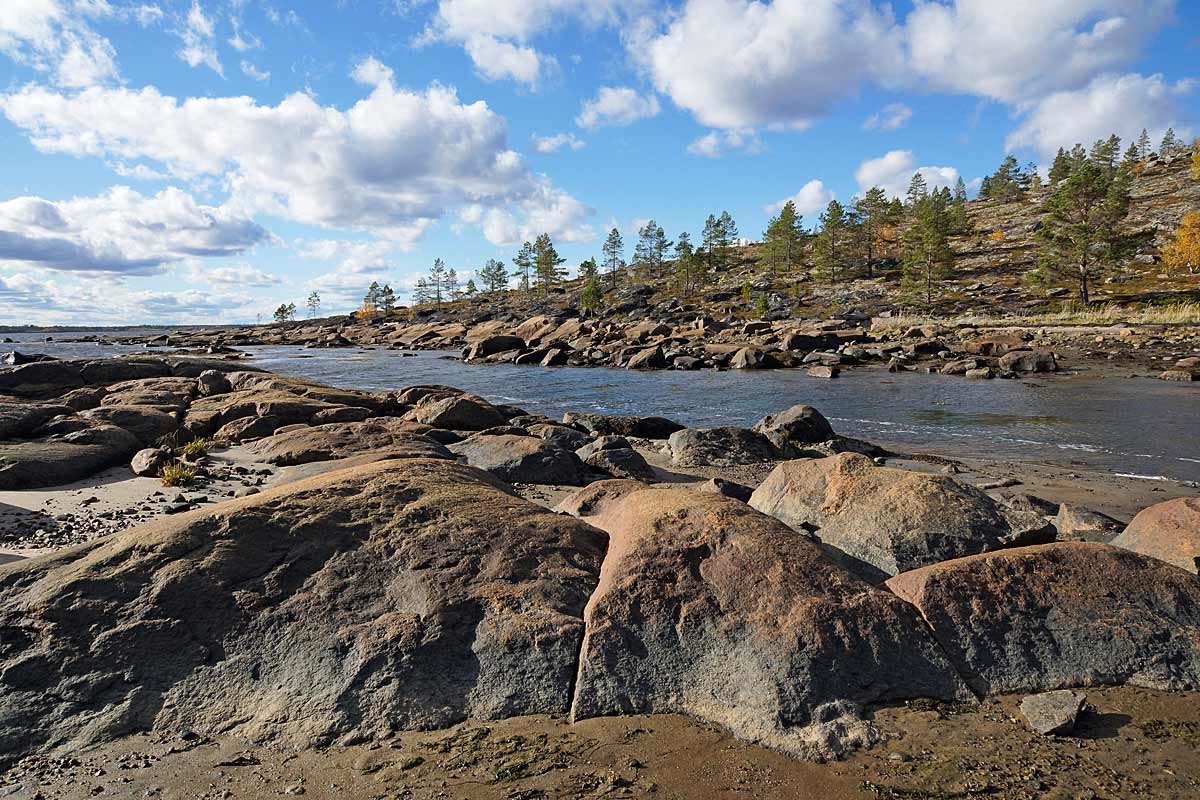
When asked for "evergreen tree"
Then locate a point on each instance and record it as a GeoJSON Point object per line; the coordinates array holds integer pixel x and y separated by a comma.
{"type": "Point", "coordinates": [871, 213]}
{"type": "Point", "coordinates": [612, 250]}
{"type": "Point", "coordinates": [1170, 145]}
{"type": "Point", "coordinates": [588, 269]}
{"type": "Point", "coordinates": [1081, 234]}
{"type": "Point", "coordinates": [688, 274]}
{"type": "Point", "coordinates": [918, 189]}
{"type": "Point", "coordinates": [591, 295]}
{"type": "Point", "coordinates": [314, 304]}
{"type": "Point", "coordinates": [1132, 157]}
{"type": "Point", "coordinates": [524, 263]}
{"type": "Point", "coordinates": [450, 284]}
{"type": "Point", "coordinates": [422, 294]}
{"type": "Point", "coordinates": [709, 242]}
{"type": "Point", "coordinates": [781, 240]}
{"type": "Point", "coordinates": [494, 276]}
{"type": "Point", "coordinates": [651, 249]}
{"type": "Point", "coordinates": [928, 260]}
{"type": "Point", "coordinates": [1143, 145]}
{"type": "Point", "coordinates": [1061, 167]}
{"type": "Point", "coordinates": [472, 289]}
{"type": "Point", "coordinates": [831, 243]}
{"type": "Point", "coordinates": [1005, 184]}
{"type": "Point", "coordinates": [547, 264]}
{"type": "Point", "coordinates": [725, 234]}
{"type": "Point", "coordinates": [370, 300]}
{"type": "Point", "coordinates": [760, 306]}
{"type": "Point", "coordinates": [285, 313]}
{"type": "Point", "coordinates": [386, 299]}
{"type": "Point", "coordinates": [437, 281]}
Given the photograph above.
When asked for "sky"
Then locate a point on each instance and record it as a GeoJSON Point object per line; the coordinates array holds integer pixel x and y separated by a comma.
{"type": "Point", "coordinates": [203, 161]}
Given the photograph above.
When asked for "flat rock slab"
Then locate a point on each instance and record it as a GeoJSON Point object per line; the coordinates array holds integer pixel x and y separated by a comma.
{"type": "Point", "coordinates": [403, 594]}
{"type": "Point", "coordinates": [1054, 616]}
{"type": "Point", "coordinates": [882, 521]}
{"type": "Point", "coordinates": [389, 437]}
{"type": "Point", "coordinates": [59, 459]}
{"type": "Point", "coordinates": [708, 608]}
{"type": "Point", "coordinates": [1053, 713]}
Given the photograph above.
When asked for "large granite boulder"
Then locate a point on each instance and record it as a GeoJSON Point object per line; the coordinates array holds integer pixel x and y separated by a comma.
{"type": "Point", "coordinates": [1054, 616]}
{"type": "Point", "coordinates": [84, 448]}
{"type": "Point", "coordinates": [708, 608]}
{"type": "Point", "coordinates": [726, 446]}
{"type": "Point", "coordinates": [618, 425]}
{"type": "Point", "coordinates": [1167, 531]}
{"type": "Point", "coordinates": [882, 520]}
{"type": "Point", "coordinates": [792, 430]}
{"type": "Point", "coordinates": [147, 423]}
{"type": "Point", "coordinates": [387, 437]}
{"type": "Point", "coordinates": [458, 413]}
{"type": "Point", "coordinates": [521, 459]}
{"type": "Point", "coordinates": [403, 594]}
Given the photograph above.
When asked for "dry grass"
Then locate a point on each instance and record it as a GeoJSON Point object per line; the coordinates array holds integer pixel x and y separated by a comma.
{"type": "Point", "coordinates": [197, 448]}
{"type": "Point", "coordinates": [1178, 314]}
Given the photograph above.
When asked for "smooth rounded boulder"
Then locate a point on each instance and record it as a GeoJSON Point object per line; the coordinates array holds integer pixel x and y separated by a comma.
{"type": "Point", "coordinates": [792, 429]}
{"type": "Point", "coordinates": [521, 459]}
{"type": "Point", "coordinates": [1062, 615]}
{"type": "Point", "coordinates": [709, 608]}
{"type": "Point", "coordinates": [1167, 531]}
{"type": "Point", "coordinates": [403, 594]}
{"type": "Point", "coordinates": [726, 446]}
{"type": "Point", "coordinates": [882, 521]}
{"type": "Point", "coordinates": [458, 413]}
{"type": "Point", "coordinates": [387, 437]}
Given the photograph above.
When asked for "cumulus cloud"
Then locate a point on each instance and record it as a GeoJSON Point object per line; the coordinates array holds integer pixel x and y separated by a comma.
{"type": "Point", "coordinates": [392, 163]}
{"type": "Point", "coordinates": [55, 39]}
{"type": "Point", "coordinates": [616, 106]}
{"type": "Point", "coordinates": [1121, 104]}
{"type": "Point", "coordinates": [120, 231]}
{"type": "Point", "coordinates": [547, 210]}
{"type": "Point", "coordinates": [893, 171]}
{"type": "Point", "coordinates": [811, 199]}
{"type": "Point", "coordinates": [715, 144]}
{"type": "Point", "coordinates": [889, 118]}
{"type": "Point", "coordinates": [242, 275]}
{"type": "Point", "coordinates": [253, 72]}
{"type": "Point", "coordinates": [198, 35]}
{"type": "Point", "coordinates": [745, 64]}
{"type": "Point", "coordinates": [496, 59]}
{"type": "Point", "coordinates": [559, 141]}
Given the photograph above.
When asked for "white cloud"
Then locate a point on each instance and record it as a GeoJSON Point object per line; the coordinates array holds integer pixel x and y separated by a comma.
{"type": "Point", "coordinates": [715, 144]}
{"type": "Point", "coordinates": [617, 106]}
{"type": "Point", "coordinates": [1121, 104]}
{"type": "Point", "coordinates": [546, 210]}
{"type": "Point", "coordinates": [746, 64]}
{"type": "Point", "coordinates": [137, 172]}
{"type": "Point", "coordinates": [392, 163]}
{"type": "Point", "coordinates": [120, 231]}
{"type": "Point", "coordinates": [893, 171]}
{"type": "Point", "coordinates": [889, 118]}
{"type": "Point", "coordinates": [198, 35]}
{"type": "Point", "coordinates": [253, 72]}
{"type": "Point", "coordinates": [1017, 53]}
{"type": "Point", "coordinates": [812, 198]}
{"type": "Point", "coordinates": [242, 41]}
{"type": "Point", "coordinates": [50, 38]}
{"type": "Point", "coordinates": [552, 144]}
{"type": "Point", "coordinates": [242, 275]}
{"type": "Point", "coordinates": [498, 60]}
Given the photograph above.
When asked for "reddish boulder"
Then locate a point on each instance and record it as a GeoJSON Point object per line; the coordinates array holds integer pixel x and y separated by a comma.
{"type": "Point", "coordinates": [1167, 531]}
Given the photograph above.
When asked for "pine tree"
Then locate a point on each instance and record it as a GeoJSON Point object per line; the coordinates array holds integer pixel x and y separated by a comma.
{"type": "Point", "coordinates": [371, 298]}
{"type": "Point", "coordinates": [709, 242]}
{"type": "Point", "coordinates": [591, 295]}
{"type": "Point", "coordinates": [725, 233]}
{"type": "Point", "coordinates": [918, 189]}
{"type": "Point", "coordinates": [760, 307]}
{"type": "Point", "coordinates": [1005, 184]}
{"type": "Point", "coordinates": [1170, 145]}
{"type": "Point", "coordinates": [1143, 145]}
{"type": "Point", "coordinates": [437, 281]}
{"type": "Point", "coordinates": [650, 251]}
{"type": "Point", "coordinates": [1061, 167]}
{"type": "Point", "coordinates": [588, 269]}
{"type": "Point", "coordinates": [494, 276]}
{"type": "Point", "coordinates": [472, 289]}
{"type": "Point", "coordinates": [422, 294]}
{"type": "Point", "coordinates": [1132, 157]}
{"type": "Point", "coordinates": [871, 211]}
{"type": "Point", "coordinates": [928, 259]}
{"type": "Point", "coordinates": [547, 264]}
{"type": "Point", "coordinates": [687, 266]}
{"type": "Point", "coordinates": [451, 285]}
{"type": "Point", "coordinates": [830, 244]}
{"type": "Point", "coordinates": [524, 264]}
{"type": "Point", "coordinates": [612, 250]}
{"type": "Point", "coordinates": [1081, 234]}
{"type": "Point", "coordinates": [314, 304]}
{"type": "Point", "coordinates": [386, 299]}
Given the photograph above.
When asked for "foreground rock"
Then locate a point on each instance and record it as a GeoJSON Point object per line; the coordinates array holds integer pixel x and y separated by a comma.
{"type": "Point", "coordinates": [1053, 713]}
{"type": "Point", "coordinates": [1060, 615]}
{"type": "Point", "coordinates": [709, 608]}
{"type": "Point", "coordinates": [387, 437]}
{"type": "Point", "coordinates": [883, 521]}
{"type": "Point", "coordinates": [405, 594]}
{"type": "Point", "coordinates": [1167, 531]}
{"type": "Point", "coordinates": [521, 459]}
{"type": "Point", "coordinates": [80, 450]}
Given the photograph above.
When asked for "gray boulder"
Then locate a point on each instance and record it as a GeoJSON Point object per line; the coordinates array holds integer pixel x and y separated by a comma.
{"type": "Point", "coordinates": [720, 447]}
{"type": "Point", "coordinates": [1053, 713]}
{"type": "Point", "coordinates": [792, 430]}
{"type": "Point", "coordinates": [386, 437]}
{"type": "Point", "coordinates": [521, 459]}
{"type": "Point", "coordinates": [148, 463]}
{"type": "Point", "coordinates": [458, 413]}
{"type": "Point", "coordinates": [81, 449]}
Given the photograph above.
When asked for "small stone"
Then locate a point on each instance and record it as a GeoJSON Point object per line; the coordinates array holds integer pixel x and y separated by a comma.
{"type": "Point", "coordinates": [1053, 713]}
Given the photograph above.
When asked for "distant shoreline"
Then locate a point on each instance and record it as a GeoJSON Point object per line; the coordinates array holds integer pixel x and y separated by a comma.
{"type": "Point", "coordinates": [106, 328]}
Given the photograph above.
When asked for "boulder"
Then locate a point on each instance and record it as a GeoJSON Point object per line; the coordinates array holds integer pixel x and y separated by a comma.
{"type": "Point", "coordinates": [1167, 531]}
{"type": "Point", "coordinates": [650, 358]}
{"type": "Point", "coordinates": [1061, 615]}
{"type": "Point", "coordinates": [727, 488]}
{"type": "Point", "coordinates": [882, 520]}
{"type": "Point", "coordinates": [748, 358]}
{"type": "Point", "coordinates": [75, 453]}
{"type": "Point", "coordinates": [561, 435]}
{"type": "Point", "coordinates": [491, 345]}
{"type": "Point", "coordinates": [726, 446]}
{"type": "Point", "coordinates": [1077, 522]}
{"type": "Point", "coordinates": [399, 595]}
{"type": "Point", "coordinates": [166, 394]}
{"type": "Point", "coordinates": [53, 378]}
{"type": "Point", "coordinates": [212, 382]}
{"type": "Point", "coordinates": [621, 462]}
{"type": "Point", "coordinates": [21, 420]}
{"type": "Point", "coordinates": [148, 424]}
{"type": "Point", "coordinates": [791, 430]}
{"type": "Point", "coordinates": [1028, 361]}
{"type": "Point", "coordinates": [247, 428]}
{"type": "Point", "coordinates": [521, 459]}
{"type": "Point", "coordinates": [1053, 713]}
{"type": "Point", "coordinates": [341, 414]}
{"type": "Point", "coordinates": [993, 346]}
{"type": "Point", "coordinates": [206, 415]}
{"type": "Point", "coordinates": [458, 413]}
{"type": "Point", "coordinates": [386, 437]}
{"type": "Point", "coordinates": [602, 443]}
{"type": "Point", "coordinates": [824, 371]}
{"type": "Point", "coordinates": [107, 371]}
{"type": "Point", "coordinates": [148, 463]}
{"type": "Point", "coordinates": [615, 425]}
{"type": "Point", "coordinates": [676, 626]}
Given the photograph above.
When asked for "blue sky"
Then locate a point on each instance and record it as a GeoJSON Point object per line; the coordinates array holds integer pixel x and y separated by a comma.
{"type": "Point", "coordinates": [204, 160]}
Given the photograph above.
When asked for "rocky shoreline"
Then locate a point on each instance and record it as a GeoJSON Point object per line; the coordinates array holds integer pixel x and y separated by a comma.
{"type": "Point", "coordinates": [344, 568]}
{"type": "Point", "coordinates": [674, 336]}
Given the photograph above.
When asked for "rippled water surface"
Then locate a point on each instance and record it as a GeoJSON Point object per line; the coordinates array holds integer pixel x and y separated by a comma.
{"type": "Point", "coordinates": [1141, 427]}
